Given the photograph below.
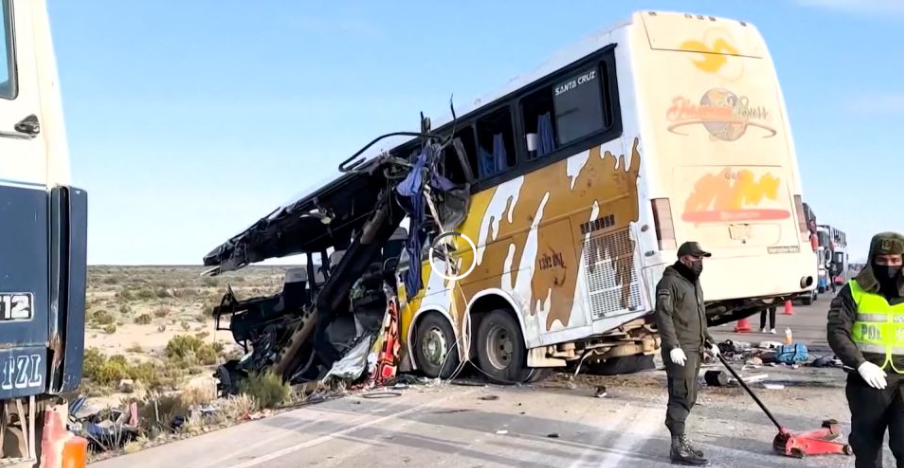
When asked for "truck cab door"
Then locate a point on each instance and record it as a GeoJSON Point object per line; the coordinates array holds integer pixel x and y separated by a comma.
{"type": "Point", "coordinates": [24, 210]}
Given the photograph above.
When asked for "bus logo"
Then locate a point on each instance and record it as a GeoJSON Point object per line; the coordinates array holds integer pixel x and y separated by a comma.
{"type": "Point", "coordinates": [725, 115]}
{"type": "Point", "coordinates": [733, 196]}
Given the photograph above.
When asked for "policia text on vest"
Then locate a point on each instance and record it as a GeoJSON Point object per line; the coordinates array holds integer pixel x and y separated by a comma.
{"type": "Point", "coordinates": [866, 331]}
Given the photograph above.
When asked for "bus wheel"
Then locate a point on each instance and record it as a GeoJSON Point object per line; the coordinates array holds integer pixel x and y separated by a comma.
{"type": "Point", "coordinates": [501, 353]}
{"type": "Point", "coordinates": [435, 350]}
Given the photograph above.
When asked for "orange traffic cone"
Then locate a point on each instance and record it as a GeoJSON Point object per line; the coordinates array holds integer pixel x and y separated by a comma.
{"type": "Point", "coordinates": [743, 326]}
{"type": "Point", "coordinates": [789, 308]}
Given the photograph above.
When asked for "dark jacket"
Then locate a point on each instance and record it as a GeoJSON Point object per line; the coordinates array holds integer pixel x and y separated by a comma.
{"type": "Point", "coordinates": [680, 312]}
{"type": "Point", "coordinates": [843, 313]}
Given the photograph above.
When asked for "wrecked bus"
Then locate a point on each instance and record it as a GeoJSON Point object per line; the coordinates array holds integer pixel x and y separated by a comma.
{"type": "Point", "coordinates": [43, 248]}
{"type": "Point", "coordinates": [576, 184]}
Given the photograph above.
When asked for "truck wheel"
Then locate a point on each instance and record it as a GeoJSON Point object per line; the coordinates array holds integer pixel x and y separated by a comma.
{"type": "Point", "coordinates": [434, 349]}
{"type": "Point", "coordinates": [501, 353]}
{"type": "Point", "coordinates": [622, 365]}
{"type": "Point", "coordinates": [807, 300]}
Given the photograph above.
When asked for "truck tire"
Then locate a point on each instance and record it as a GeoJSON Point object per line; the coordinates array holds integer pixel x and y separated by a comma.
{"type": "Point", "coordinates": [435, 351]}
{"type": "Point", "coordinates": [501, 353]}
{"type": "Point", "coordinates": [808, 300]}
{"type": "Point", "coordinates": [622, 365]}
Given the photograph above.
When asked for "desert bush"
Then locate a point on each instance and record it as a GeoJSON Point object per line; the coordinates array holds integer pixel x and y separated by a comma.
{"type": "Point", "coordinates": [126, 294]}
{"type": "Point", "coordinates": [162, 312]}
{"type": "Point", "coordinates": [266, 389]}
{"type": "Point", "coordinates": [125, 309]}
{"type": "Point", "coordinates": [156, 413]}
{"type": "Point", "coordinates": [135, 348]}
{"type": "Point", "coordinates": [210, 281]}
{"type": "Point", "coordinates": [187, 350]}
{"type": "Point", "coordinates": [145, 294]}
{"type": "Point", "coordinates": [111, 280]}
{"type": "Point", "coordinates": [202, 335]}
{"type": "Point", "coordinates": [185, 326]}
{"type": "Point", "coordinates": [110, 329]}
{"type": "Point", "coordinates": [162, 293]}
{"type": "Point", "coordinates": [143, 319]}
{"type": "Point", "coordinates": [101, 317]}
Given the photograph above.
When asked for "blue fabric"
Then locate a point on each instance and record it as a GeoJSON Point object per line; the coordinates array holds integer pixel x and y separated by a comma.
{"type": "Point", "coordinates": [487, 165]}
{"type": "Point", "coordinates": [412, 188]}
{"type": "Point", "coordinates": [546, 141]}
{"type": "Point", "coordinates": [499, 154]}
{"type": "Point", "coordinates": [792, 354]}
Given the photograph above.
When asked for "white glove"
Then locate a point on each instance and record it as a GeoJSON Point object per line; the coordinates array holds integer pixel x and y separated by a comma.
{"type": "Point", "coordinates": [678, 356]}
{"type": "Point", "coordinates": [714, 350]}
{"type": "Point", "coordinates": [873, 375]}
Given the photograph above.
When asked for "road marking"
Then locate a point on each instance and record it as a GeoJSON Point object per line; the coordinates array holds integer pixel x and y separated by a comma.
{"type": "Point", "coordinates": [328, 437]}
{"type": "Point", "coordinates": [634, 431]}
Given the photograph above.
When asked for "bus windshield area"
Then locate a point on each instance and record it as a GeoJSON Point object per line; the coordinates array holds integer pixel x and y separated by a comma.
{"type": "Point", "coordinates": [349, 230]}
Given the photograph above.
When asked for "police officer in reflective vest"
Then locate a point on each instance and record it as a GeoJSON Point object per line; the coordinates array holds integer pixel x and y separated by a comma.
{"type": "Point", "coordinates": [866, 331]}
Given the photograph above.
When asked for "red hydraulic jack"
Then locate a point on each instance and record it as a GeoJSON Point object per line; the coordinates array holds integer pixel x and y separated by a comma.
{"type": "Point", "coordinates": [818, 442]}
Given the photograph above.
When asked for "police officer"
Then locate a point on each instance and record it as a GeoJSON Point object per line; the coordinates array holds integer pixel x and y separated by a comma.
{"type": "Point", "coordinates": [866, 331]}
{"type": "Point", "coordinates": [681, 319]}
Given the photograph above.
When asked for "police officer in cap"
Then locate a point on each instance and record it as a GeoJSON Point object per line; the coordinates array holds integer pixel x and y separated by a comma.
{"type": "Point", "coordinates": [866, 331]}
{"type": "Point", "coordinates": [681, 319]}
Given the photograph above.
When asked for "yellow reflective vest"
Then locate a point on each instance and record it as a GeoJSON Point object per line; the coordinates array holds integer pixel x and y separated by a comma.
{"type": "Point", "coordinates": [878, 326]}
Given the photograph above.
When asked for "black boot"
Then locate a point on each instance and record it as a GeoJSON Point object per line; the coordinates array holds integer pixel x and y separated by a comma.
{"type": "Point", "coordinates": [682, 453]}
{"type": "Point", "coordinates": [693, 448]}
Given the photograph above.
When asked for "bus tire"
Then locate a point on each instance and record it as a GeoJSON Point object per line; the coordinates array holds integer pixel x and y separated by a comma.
{"type": "Point", "coordinates": [434, 349]}
{"type": "Point", "coordinates": [808, 300]}
{"type": "Point", "coordinates": [501, 353]}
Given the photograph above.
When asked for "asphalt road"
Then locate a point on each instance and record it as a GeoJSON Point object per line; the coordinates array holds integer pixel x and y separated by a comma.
{"type": "Point", "coordinates": [557, 423]}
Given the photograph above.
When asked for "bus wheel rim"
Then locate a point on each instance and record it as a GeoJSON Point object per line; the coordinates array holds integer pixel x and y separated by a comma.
{"type": "Point", "coordinates": [434, 346]}
{"type": "Point", "coordinates": [499, 347]}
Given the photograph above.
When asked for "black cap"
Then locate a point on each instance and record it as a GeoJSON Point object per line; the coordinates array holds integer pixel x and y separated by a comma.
{"type": "Point", "coordinates": [692, 248]}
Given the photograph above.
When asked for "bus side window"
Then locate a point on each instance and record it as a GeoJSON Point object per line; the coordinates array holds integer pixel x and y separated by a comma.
{"type": "Point", "coordinates": [495, 143]}
{"type": "Point", "coordinates": [7, 54]}
{"type": "Point", "coordinates": [570, 109]}
{"type": "Point", "coordinates": [537, 111]}
{"type": "Point", "coordinates": [452, 167]}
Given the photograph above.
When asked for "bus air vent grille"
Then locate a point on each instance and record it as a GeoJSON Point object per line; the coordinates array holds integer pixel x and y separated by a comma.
{"type": "Point", "coordinates": [612, 280]}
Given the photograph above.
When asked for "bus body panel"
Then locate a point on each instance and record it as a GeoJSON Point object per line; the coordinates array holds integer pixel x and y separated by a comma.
{"type": "Point", "coordinates": [714, 122]}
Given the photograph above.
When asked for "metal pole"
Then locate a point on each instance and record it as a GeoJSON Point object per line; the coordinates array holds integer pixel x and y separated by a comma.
{"type": "Point", "coordinates": [750, 392]}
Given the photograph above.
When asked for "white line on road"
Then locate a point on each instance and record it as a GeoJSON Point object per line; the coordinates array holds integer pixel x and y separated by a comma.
{"type": "Point", "coordinates": [634, 431]}
{"type": "Point", "coordinates": [328, 437]}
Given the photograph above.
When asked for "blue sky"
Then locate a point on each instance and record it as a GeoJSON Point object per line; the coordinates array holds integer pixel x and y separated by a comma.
{"type": "Point", "coordinates": [189, 120]}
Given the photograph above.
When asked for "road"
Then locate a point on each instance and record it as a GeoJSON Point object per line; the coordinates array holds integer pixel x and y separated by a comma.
{"type": "Point", "coordinates": [553, 424]}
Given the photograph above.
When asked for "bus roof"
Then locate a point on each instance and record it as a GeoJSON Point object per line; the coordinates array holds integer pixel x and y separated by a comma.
{"type": "Point", "coordinates": [257, 243]}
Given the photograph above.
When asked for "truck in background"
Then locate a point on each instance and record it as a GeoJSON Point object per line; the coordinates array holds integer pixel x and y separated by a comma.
{"type": "Point", "coordinates": [832, 256]}
{"type": "Point", "coordinates": [42, 251]}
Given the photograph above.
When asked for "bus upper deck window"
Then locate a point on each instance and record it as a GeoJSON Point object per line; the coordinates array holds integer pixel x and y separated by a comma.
{"type": "Point", "coordinates": [495, 143]}
{"type": "Point", "coordinates": [7, 54]}
{"type": "Point", "coordinates": [578, 102]}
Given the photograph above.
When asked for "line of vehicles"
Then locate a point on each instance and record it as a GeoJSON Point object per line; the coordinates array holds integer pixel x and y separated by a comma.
{"type": "Point", "coordinates": [832, 259]}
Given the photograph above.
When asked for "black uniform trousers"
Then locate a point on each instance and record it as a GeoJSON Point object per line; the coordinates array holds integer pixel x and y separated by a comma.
{"type": "Point", "coordinates": [682, 384]}
{"type": "Point", "coordinates": [872, 412]}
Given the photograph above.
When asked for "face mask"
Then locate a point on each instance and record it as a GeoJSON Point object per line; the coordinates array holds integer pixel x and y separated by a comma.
{"type": "Point", "coordinates": [697, 267]}
{"type": "Point", "coordinates": [886, 272]}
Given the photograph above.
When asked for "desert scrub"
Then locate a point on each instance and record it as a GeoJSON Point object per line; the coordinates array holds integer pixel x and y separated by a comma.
{"type": "Point", "coordinates": [266, 389]}
{"type": "Point", "coordinates": [187, 350]}
{"type": "Point", "coordinates": [162, 312]}
{"type": "Point", "coordinates": [110, 329]}
{"type": "Point", "coordinates": [143, 319]}
{"type": "Point", "coordinates": [101, 317]}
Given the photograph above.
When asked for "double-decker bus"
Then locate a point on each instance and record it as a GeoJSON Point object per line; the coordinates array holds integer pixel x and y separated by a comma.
{"type": "Point", "coordinates": [585, 176]}
{"type": "Point", "coordinates": [43, 248]}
